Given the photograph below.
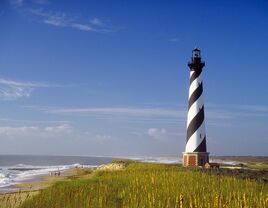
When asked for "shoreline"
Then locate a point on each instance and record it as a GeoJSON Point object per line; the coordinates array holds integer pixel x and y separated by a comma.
{"type": "Point", "coordinates": [40, 182]}
{"type": "Point", "coordinates": [30, 187]}
{"type": "Point", "coordinates": [36, 182]}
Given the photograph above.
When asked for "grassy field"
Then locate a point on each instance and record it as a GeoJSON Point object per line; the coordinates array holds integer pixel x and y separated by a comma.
{"type": "Point", "coordinates": [15, 199]}
{"type": "Point", "coordinates": [153, 185]}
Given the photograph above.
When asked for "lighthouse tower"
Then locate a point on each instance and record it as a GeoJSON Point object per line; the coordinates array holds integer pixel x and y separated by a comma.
{"type": "Point", "coordinates": [196, 151]}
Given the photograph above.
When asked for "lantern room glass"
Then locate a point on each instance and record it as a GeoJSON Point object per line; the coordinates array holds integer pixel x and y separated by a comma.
{"type": "Point", "coordinates": [196, 53]}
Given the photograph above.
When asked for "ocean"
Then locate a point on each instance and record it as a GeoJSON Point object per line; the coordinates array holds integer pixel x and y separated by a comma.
{"type": "Point", "coordinates": [15, 169]}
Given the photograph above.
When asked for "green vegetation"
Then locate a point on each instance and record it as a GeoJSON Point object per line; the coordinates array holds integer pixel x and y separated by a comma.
{"type": "Point", "coordinates": [244, 159]}
{"type": "Point", "coordinates": [153, 185]}
{"type": "Point", "coordinates": [259, 166]}
{"type": "Point", "coordinates": [15, 199]}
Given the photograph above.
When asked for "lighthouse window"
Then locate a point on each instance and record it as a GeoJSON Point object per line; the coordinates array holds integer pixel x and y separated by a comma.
{"type": "Point", "coordinates": [196, 53]}
{"type": "Point", "coordinates": [200, 136]}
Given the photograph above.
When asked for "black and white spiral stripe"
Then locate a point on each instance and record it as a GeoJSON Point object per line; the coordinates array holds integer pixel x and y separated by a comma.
{"type": "Point", "coordinates": [196, 135]}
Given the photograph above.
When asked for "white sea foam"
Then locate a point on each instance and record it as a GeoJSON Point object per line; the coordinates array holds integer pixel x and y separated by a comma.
{"type": "Point", "coordinates": [165, 160]}
{"type": "Point", "coordinates": [227, 162]}
{"type": "Point", "coordinates": [16, 174]}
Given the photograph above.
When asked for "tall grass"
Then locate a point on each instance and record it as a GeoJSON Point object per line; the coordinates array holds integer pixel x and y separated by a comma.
{"type": "Point", "coordinates": [153, 185]}
{"type": "Point", "coordinates": [15, 199]}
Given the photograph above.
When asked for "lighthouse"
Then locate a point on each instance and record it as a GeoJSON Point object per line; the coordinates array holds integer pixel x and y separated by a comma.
{"type": "Point", "coordinates": [196, 150]}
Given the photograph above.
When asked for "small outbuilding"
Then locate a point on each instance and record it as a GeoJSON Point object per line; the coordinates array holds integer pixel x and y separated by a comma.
{"type": "Point", "coordinates": [212, 165]}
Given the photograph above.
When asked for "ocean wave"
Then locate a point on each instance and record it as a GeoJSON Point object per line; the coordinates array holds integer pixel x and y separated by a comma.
{"type": "Point", "coordinates": [165, 160]}
{"type": "Point", "coordinates": [5, 180]}
{"type": "Point", "coordinates": [22, 172]}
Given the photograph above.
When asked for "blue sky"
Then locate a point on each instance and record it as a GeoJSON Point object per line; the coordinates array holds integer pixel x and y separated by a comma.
{"type": "Point", "coordinates": [111, 77]}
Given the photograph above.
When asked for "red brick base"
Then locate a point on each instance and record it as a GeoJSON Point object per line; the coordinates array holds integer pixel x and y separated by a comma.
{"type": "Point", "coordinates": [195, 158]}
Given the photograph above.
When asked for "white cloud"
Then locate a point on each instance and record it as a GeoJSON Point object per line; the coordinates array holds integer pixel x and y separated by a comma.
{"type": "Point", "coordinates": [239, 110]}
{"type": "Point", "coordinates": [52, 18]}
{"type": "Point", "coordinates": [142, 113]}
{"type": "Point", "coordinates": [96, 21]}
{"type": "Point", "coordinates": [63, 128]}
{"type": "Point", "coordinates": [215, 115]}
{"type": "Point", "coordinates": [82, 27]}
{"type": "Point", "coordinates": [11, 90]}
{"type": "Point", "coordinates": [128, 111]}
{"type": "Point", "coordinates": [168, 116]}
{"type": "Point", "coordinates": [55, 21]}
{"type": "Point", "coordinates": [33, 121]}
{"type": "Point", "coordinates": [157, 133]}
{"type": "Point", "coordinates": [23, 84]}
{"type": "Point", "coordinates": [6, 130]}
{"type": "Point", "coordinates": [35, 131]}
{"type": "Point", "coordinates": [60, 19]}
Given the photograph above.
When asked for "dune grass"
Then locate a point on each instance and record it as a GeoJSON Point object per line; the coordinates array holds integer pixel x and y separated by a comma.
{"type": "Point", "coordinates": [153, 185]}
{"type": "Point", "coordinates": [15, 199]}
